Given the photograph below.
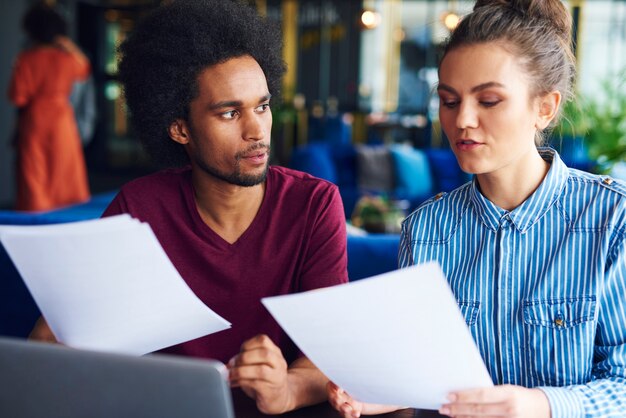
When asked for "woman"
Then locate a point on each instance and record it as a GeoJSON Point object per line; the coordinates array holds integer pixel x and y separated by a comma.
{"type": "Point", "coordinates": [51, 169]}
{"type": "Point", "coordinates": [534, 252]}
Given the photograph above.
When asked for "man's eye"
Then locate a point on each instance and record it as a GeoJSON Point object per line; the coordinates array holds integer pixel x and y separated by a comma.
{"type": "Point", "coordinates": [230, 114]}
{"type": "Point", "coordinates": [264, 107]}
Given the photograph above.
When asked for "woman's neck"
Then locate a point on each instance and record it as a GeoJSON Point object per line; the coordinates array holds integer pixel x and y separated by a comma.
{"type": "Point", "coordinates": [510, 186]}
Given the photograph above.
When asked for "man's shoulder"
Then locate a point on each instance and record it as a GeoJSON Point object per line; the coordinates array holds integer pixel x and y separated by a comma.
{"type": "Point", "coordinates": [294, 191]}
{"type": "Point", "coordinates": [297, 180]}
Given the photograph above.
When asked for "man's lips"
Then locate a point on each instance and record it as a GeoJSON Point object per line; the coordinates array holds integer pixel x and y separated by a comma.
{"type": "Point", "coordinates": [255, 154]}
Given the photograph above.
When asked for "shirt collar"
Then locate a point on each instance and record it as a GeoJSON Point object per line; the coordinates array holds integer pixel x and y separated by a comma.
{"type": "Point", "coordinates": [532, 209]}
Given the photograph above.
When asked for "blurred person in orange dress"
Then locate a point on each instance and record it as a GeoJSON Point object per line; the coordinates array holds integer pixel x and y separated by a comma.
{"type": "Point", "coordinates": [51, 170]}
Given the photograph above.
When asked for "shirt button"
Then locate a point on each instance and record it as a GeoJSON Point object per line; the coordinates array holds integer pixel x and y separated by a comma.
{"type": "Point", "coordinates": [558, 322]}
{"type": "Point", "coordinates": [608, 181]}
{"type": "Point", "coordinates": [439, 195]}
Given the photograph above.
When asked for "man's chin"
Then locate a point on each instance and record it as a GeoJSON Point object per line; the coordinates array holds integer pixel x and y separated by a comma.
{"type": "Point", "coordinates": [250, 180]}
{"type": "Point", "coordinates": [237, 178]}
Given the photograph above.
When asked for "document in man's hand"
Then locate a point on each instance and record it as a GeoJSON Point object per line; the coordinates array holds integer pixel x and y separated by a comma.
{"type": "Point", "coordinates": [108, 285]}
{"type": "Point", "coordinates": [397, 338]}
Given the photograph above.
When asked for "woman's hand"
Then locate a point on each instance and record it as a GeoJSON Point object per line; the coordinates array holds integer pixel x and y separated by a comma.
{"type": "Point", "coordinates": [351, 408]}
{"type": "Point", "coordinates": [42, 332]}
{"type": "Point", "coordinates": [498, 401]}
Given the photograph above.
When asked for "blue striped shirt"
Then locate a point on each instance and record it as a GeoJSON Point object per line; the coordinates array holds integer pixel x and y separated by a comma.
{"type": "Point", "coordinates": [542, 287]}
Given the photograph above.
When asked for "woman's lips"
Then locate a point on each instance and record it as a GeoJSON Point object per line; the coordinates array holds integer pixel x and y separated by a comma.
{"type": "Point", "coordinates": [467, 144]}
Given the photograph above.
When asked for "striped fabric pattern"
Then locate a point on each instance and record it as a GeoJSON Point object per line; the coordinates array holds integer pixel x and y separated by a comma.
{"type": "Point", "coordinates": [542, 287]}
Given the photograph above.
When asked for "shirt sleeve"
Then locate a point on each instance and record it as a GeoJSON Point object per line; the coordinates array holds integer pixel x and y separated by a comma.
{"type": "Point", "coordinates": [22, 84]}
{"type": "Point", "coordinates": [404, 253]}
{"type": "Point", "coordinates": [605, 395]}
{"type": "Point", "coordinates": [326, 262]}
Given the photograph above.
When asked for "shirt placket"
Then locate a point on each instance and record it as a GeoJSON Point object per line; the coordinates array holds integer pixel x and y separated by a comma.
{"type": "Point", "coordinates": [502, 296]}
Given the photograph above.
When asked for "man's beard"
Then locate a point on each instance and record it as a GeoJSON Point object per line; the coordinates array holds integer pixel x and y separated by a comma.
{"type": "Point", "coordinates": [237, 178]}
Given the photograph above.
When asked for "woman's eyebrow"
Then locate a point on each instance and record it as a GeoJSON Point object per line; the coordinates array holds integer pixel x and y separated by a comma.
{"type": "Point", "coordinates": [483, 86]}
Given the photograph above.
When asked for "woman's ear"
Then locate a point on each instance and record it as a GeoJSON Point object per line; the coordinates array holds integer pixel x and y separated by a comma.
{"type": "Point", "coordinates": [179, 132]}
{"type": "Point", "coordinates": [548, 108]}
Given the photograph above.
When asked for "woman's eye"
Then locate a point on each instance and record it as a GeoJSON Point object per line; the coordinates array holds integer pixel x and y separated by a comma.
{"type": "Point", "coordinates": [449, 103]}
{"type": "Point", "coordinates": [489, 103]}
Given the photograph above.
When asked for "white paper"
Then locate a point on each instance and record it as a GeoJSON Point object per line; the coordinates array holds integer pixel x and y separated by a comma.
{"type": "Point", "coordinates": [397, 338]}
{"type": "Point", "coordinates": [108, 285]}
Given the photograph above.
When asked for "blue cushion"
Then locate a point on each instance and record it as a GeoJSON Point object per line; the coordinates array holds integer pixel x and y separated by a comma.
{"type": "Point", "coordinates": [446, 169]}
{"type": "Point", "coordinates": [316, 160]}
{"type": "Point", "coordinates": [344, 157]}
{"type": "Point", "coordinates": [91, 209]}
{"type": "Point", "coordinates": [412, 172]}
{"type": "Point", "coordinates": [372, 254]}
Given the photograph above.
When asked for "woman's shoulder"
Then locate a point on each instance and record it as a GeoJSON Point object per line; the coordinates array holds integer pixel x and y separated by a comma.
{"type": "Point", "coordinates": [445, 201]}
{"type": "Point", "coordinates": [582, 182]}
{"type": "Point", "coordinates": [593, 202]}
{"type": "Point", "coordinates": [445, 208]}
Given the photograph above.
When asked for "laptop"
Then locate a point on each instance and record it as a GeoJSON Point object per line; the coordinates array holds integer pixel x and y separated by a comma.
{"type": "Point", "coordinates": [54, 381]}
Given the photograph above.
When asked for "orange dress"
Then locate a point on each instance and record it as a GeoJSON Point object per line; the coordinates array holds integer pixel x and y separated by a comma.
{"type": "Point", "coordinates": [51, 170]}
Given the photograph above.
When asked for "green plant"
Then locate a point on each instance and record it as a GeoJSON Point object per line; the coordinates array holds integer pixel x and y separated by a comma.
{"type": "Point", "coordinates": [572, 122]}
{"type": "Point", "coordinates": [377, 214]}
{"type": "Point", "coordinates": [606, 122]}
{"type": "Point", "coordinates": [601, 120]}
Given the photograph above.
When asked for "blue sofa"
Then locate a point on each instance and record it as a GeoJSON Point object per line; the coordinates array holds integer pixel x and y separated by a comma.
{"type": "Point", "coordinates": [367, 255]}
{"type": "Point", "coordinates": [416, 174]}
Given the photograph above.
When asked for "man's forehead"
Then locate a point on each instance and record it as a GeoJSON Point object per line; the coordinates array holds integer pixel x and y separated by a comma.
{"type": "Point", "coordinates": [236, 80]}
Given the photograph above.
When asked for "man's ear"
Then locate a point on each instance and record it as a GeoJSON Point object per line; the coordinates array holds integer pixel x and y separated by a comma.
{"type": "Point", "coordinates": [548, 108]}
{"type": "Point", "coordinates": [179, 131]}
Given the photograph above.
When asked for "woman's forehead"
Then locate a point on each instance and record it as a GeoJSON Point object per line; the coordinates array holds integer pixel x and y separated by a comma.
{"type": "Point", "coordinates": [477, 64]}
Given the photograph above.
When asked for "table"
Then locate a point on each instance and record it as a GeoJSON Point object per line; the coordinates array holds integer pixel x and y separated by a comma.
{"type": "Point", "coordinates": [246, 408]}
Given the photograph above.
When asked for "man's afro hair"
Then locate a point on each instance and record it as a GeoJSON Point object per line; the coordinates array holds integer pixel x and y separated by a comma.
{"type": "Point", "coordinates": [162, 58]}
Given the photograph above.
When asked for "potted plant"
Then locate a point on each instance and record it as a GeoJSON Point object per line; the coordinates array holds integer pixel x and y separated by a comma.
{"type": "Point", "coordinates": [377, 214]}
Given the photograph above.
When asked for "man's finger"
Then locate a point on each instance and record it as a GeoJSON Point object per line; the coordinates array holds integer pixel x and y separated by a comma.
{"type": "Point", "coordinates": [261, 373]}
{"type": "Point", "coordinates": [259, 341]}
{"type": "Point", "coordinates": [259, 356]}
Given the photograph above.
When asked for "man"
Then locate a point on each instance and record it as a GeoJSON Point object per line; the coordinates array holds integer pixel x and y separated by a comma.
{"type": "Point", "coordinates": [198, 77]}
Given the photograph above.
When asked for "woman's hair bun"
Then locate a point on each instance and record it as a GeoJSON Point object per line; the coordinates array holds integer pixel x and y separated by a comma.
{"type": "Point", "coordinates": [552, 11]}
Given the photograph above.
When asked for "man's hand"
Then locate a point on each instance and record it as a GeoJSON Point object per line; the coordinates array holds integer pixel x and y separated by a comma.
{"type": "Point", "coordinates": [262, 373]}
{"type": "Point", "coordinates": [42, 332]}
{"type": "Point", "coordinates": [498, 401]}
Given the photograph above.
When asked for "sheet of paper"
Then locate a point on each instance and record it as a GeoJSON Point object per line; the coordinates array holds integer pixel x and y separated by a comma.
{"type": "Point", "coordinates": [108, 285]}
{"type": "Point", "coordinates": [397, 338]}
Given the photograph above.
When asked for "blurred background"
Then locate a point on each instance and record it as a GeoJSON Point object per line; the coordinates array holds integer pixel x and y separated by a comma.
{"type": "Point", "coordinates": [361, 76]}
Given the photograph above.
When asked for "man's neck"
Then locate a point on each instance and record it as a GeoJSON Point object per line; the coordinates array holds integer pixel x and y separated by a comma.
{"type": "Point", "coordinates": [226, 208]}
